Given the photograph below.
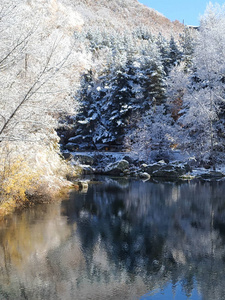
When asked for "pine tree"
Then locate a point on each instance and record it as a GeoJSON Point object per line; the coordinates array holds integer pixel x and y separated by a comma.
{"type": "Point", "coordinates": [187, 46]}
{"type": "Point", "coordinates": [174, 53]}
{"type": "Point", "coordinates": [164, 49]}
{"type": "Point", "coordinates": [89, 116]}
{"type": "Point", "coordinates": [153, 79]}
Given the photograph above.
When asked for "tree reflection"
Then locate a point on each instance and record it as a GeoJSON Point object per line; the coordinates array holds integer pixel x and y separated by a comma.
{"type": "Point", "coordinates": [120, 240]}
{"type": "Point", "coordinates": [166, 231]}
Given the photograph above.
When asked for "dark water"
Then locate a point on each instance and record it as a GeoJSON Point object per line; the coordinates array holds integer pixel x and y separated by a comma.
{"type": "Point", "coordinates": [119, 240]}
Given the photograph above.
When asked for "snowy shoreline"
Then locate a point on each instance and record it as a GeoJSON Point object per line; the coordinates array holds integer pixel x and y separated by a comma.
{"type": "Point", "coordinates": [126, 164]}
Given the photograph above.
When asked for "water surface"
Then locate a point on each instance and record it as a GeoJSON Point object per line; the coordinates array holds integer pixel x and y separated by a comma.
{"type": "Point", "coordinates": [120, 239]}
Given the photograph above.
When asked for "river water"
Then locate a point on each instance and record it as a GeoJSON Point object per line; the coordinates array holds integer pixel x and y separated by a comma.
{"type": "Point", "coordinates": [120, 239]}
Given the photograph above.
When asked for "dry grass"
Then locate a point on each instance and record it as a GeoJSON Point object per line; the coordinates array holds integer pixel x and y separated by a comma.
{"type": "Point", "coordinates": [35, 175]}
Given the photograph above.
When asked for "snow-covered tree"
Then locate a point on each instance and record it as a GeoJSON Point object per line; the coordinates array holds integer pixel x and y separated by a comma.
{"type": "Point", "coordinates": [176, 86]}
{"type": "Point", "coordinates": [198, 123]}
{"type": "Point", "coordinates": [187, 41]}
{"type": "Point", "coordinates": [153, 75]}
{"type": "Point", "coordinates": [174, 52]}
{"type": "Point", "coordinates": [163, 47]}
{"type": "Point", "coordinates": [37, 60]}
{"type": "Point", "coordinates": [154, 136]}
{"type": "Point", "coordinates": [169, 51]}
{"type": "Point", "coordinates": [203, 101]}
{"type": "Point", "coordinates": [108, 102]}
{"type": "Point", "coordinates": [39, 67]}
{"type": "Point", "coordinates": [113, 101]}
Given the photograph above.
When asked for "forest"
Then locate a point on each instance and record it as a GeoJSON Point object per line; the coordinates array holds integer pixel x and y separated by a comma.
{"type": "Point", "coordinates": [70, 84]}
{"type": "Point", "coordinates": [153, 95]}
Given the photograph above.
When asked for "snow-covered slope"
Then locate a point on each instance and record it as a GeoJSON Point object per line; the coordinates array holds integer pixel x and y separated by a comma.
{"type": "Point", "coordinates": [124, 15]}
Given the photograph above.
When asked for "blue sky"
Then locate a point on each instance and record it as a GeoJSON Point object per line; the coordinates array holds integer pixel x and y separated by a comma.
{"type": "Point", "coordinates": [187, 10]}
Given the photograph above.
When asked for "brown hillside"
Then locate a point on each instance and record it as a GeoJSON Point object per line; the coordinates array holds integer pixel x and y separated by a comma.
{"type": "Point", "coordinates": [124, 14]}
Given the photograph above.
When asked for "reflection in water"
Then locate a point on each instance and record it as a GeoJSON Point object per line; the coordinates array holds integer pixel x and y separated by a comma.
{"type": "Point", "coordinates": [120, 240]}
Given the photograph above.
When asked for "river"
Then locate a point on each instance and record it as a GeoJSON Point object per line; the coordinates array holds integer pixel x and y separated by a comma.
{"type": "Point", "coordinates": [119, 239]}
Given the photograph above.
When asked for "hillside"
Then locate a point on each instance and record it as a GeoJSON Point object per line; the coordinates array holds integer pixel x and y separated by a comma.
{"type": "Point", "coordinates": [123, 15]}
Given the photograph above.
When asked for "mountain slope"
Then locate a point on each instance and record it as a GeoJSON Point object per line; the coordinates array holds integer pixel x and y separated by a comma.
{"type": "Point", "coordinates": [124, 15]}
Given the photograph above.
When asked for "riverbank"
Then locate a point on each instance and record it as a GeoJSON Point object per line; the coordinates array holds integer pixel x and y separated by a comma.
{"type": "Point", "coordinates": [33, 174]}
{"type": "Point", "coordinates": [42, 194]}
{"type": "Point", "coordinates": [125, 164]}
{"type": "Point", "coordinates": [24, 188]}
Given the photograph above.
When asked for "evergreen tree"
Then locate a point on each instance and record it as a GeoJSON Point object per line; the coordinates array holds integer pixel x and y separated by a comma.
{"type": "Point", "coordinates": [86, 119]}
{"type": "Point", "coordinates": [164, 52]}
{"type": "Point", "coordinates": [187, 46]}
{"type": "Point", "coordinates": [174, 53]}
{"type": "Point", "coordinates": [153, 79]}
{"type": "Point", "coordinates": [123, 101]}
